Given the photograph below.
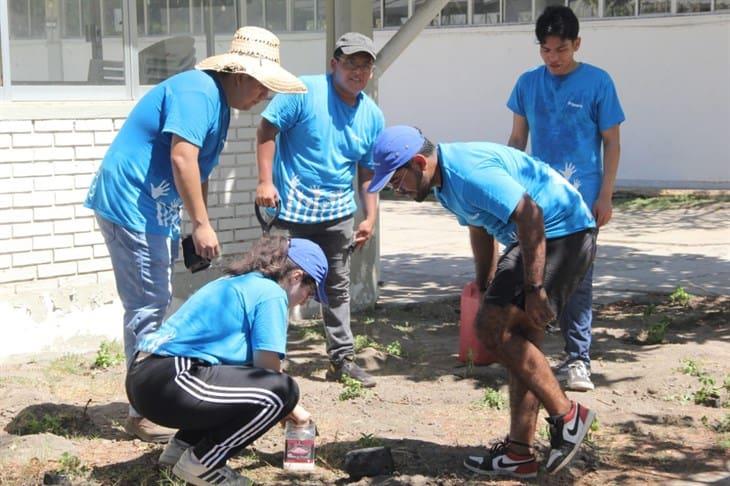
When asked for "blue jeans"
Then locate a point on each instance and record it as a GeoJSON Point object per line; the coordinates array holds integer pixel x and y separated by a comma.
{"type": "Point", "coordinates": [576, 320]}
{"type": "Point", "coordinates": [142, 264]}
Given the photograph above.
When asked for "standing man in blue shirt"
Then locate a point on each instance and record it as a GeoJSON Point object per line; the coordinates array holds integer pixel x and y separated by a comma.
{"type": "Point", "coordinates": [571, 111]}
{"type": "Point", "coordinates": [310, 148]}
{"type": "Point", "coordinates": [160, 161]}
{"type": "Point", "coordinates": [550, 235]}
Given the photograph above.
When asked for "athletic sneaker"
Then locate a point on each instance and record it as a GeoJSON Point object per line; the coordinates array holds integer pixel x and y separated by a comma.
{"type": "Point", "coordinates": [566, 434]}
{"type": "Point", "coordinates": [172, 452]}
{"type": "Point", "coordinates": [579, 377]}
{"type": "Point", "coordinates": [189, 469]}
{"type": "Point", "coordinates": [348, 367]}
{"type": "Point", "coordinates": [500, 461]}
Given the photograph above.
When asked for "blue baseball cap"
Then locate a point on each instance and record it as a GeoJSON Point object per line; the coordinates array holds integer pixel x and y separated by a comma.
{"type": "Point", "coordinates": [393, 148]}
{"type": "Point", "coordinates": [310, 258]}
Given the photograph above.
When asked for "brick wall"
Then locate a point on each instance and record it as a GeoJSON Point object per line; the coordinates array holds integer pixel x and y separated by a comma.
{"type": "Point", "coordinates": [49, 243]}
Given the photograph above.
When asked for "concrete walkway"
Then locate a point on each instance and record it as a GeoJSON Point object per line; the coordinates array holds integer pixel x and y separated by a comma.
{"type": "Point", "coordinates": [426, 254]}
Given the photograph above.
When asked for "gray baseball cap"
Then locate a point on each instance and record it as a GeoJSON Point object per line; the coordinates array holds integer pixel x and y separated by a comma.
{"type": "Point", "coordinates": [354, 42]}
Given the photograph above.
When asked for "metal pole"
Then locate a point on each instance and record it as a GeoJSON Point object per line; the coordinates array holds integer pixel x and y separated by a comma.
{"type": "Point", "coordinates": [407, 33]}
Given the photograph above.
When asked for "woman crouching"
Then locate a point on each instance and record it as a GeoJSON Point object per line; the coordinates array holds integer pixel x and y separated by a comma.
{"type": "Point", "coordinates": [213, 369]}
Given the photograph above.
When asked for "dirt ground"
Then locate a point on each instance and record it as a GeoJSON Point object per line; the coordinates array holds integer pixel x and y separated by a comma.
{"type": "Point", "coordinates": [427, 407]}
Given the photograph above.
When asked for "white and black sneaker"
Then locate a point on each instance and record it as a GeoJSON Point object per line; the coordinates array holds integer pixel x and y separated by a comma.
{"type": "Point", "coordinates": [190, 469]}
{"type": "Point", "coordinates": [172, 452]}
{"type": "Point", "coordinates": [501, 462]}
{"type": "Point", "coordinates": [566, 434]}
{"type": "Point", "coordinates": [579, 376]}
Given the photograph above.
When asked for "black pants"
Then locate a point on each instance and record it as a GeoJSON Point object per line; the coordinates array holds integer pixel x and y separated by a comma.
{"type": "Point", "coordinates": [218, 409]}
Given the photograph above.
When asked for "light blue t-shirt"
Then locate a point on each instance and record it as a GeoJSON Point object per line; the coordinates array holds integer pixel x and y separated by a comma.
{"type": "Point", "coordinates": [225, 322]}
{"type": "Point", "coordinates": [321, 140]}
{"type": "Point", "coordinates": [134, 186]}
{"type": "Point", "coordinates": [482, 182]}
{"type": "Point", "coordinates": [566, 115]}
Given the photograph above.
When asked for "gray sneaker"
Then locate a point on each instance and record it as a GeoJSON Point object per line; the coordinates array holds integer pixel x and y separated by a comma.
{"type": "Point", "coordinates": [349, 368]}
{"type": "Point", "coordinates": [561, 370]}
{"type": "Point", "coordinates": [579, 377]}
{"type": "Point", "coordinates": [172, 452]}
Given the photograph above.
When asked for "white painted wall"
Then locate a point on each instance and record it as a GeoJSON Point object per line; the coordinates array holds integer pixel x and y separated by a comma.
{"type": "Point", "coordinates": [672, 75]}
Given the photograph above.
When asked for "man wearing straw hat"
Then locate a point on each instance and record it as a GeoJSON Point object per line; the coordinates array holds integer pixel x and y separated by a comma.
{"type": "Point", "coordinates": [310, 147]}
{"type": "Point", "coordinates": [161, 160]}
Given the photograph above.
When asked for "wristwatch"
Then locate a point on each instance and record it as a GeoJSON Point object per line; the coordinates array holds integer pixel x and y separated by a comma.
{"type": "Point", "coordinates": [533, 288]}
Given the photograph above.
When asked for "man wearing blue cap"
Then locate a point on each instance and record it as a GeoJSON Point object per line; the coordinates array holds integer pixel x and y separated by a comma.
{"type": "Point", "coordinates": [213, 369]}
{"type": "Point", "coordinates": [549, 234]}
{"type": "Point", "coordinates": [310, 147]}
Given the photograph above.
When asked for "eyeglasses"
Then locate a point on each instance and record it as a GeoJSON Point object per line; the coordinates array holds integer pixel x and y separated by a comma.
{"type": "Point", "coordinates": [349, 64]}
{"type": "Point", "coordinates": [396, 180]}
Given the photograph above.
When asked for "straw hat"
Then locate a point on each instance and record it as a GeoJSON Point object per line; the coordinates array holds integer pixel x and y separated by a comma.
{"type": "Point", "coordinates": [255, 51]}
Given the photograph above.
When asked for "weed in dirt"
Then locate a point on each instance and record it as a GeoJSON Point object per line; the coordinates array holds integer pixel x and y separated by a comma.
{"type": "Point", "coordinates": [351, 389]}
{"type": "Point", "coordinates": [648, 311]}
{"type": "Point", "coordinates": [71, 465]}
{"type": "Point", "coordinates": [314, 333]}
{"type": "Point", "coordinates": [369, 440]}
{"type": "Point", "coordinates": [544, 432]}
{"type": "Point", "coordinates": [724, 443]}
{"type": "Point", "coordinates": [493, 399]}
{"type": "Point", "coordinates": [68, 364]}
{"type": "Point", "coordinates": [362, 341]}
{"type": "Point", "coordinates": [709, 392]}
{"type": "Point", "coordinates": [168, 479]}
{"type": "Point", "coordinates": [45, 424]}
{"type": "Point", "coordinates": [406, 327]}
{"type": "Point", "coordinates": [394, 349]}
{"type": "Point", "coordinates": [368, 320]}
{"type": "Point", "coordinates": [680, 297]}
{"type": "Point", "coordinates": [679, 201]}
{"type": "Point", "coordinates": [655, 333]}
{"type": "Point", "coordinates": [726, 383]}
{"type": "Point", "coordinates": [108, 355]}
{"type": "Point", "coordinates": [723, 425]}
{"type": "Point", "coordinates": [691, 367]}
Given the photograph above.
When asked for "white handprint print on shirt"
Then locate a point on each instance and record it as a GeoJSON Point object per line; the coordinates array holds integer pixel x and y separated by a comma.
{"type": "Point", "coordinates": [158, 191]}
{"type": "Point", "coordinates": [568, 172]}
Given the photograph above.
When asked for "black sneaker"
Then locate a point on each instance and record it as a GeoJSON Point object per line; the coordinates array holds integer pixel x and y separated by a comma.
{"type": "Point", "coordinates": [501, 462]}
{"type": "Point", "coordinates": [566, 434]}
{"type": "Point", "coordinates": [348, 367]}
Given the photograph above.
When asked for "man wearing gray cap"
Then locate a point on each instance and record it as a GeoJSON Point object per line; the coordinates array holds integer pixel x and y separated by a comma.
{"type": "Point", "coordinates": [309, 149]}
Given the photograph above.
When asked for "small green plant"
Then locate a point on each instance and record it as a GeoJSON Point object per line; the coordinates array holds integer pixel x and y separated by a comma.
{"type": "Point", "coordinates": [406, 327]}
{"type": "Point", "coordinates": [656, 332]}
{"type": "Point", "coordinates": [68, 364]}
{"type": "Point", "coordinates": [394, 349]}
{"type": "Point", "coordinates": [314, 333]}
{"type": "Point", "coordinates": [691, 367]}
{"type": "Point", "coordinates": [367, 320]}
{"type": "Point", "coordinates": [544, 432]}
{"type": "Point", "coordinates": [680, 297]}
{"type": "Point", "coordinates": [722, 425]}
{"type": "Point", "coordinates": [726, 383]}
{"type": "Point", "coordinates": [648, 311]}
{"type": "Point", "coordinates": [709, 392]}
{"type": "Point", "coordinates": [351, 389]}
{"type": "Point", "coordinates": [369, 440]}
{"type": "Point", "coordinates": [362, 341]}
{"type": "Point", "coordinates": [109, 354]}
{"type": "Point", "coordinates": [493, 399]}
{"type": "Point", "coordinates": [71, 465]}
{"type": "Point", "coordinates": [724, 443]}
{"type": "Point", "coordinates": [39, 425]}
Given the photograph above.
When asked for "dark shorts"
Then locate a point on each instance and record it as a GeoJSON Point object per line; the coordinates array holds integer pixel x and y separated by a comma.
{"type": "Point", "coordinates": [566, 261]}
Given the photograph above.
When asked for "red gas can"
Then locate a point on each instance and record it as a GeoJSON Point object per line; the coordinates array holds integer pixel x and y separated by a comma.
{"type": "Point", "coordinates": [471, 349]}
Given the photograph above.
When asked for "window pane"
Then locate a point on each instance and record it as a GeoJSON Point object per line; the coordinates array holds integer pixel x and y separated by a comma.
{"type": "Point", "coordinates": [396, 13]}
{"type": "Point", "coordinates": [619, 8]}
{"type": "Point", "coordinates": [199, 16]}
{"type": "Point", "coordinates": [276, 15]}
{"type": "Point", "coordinates": [455, 13]}
{"type": "Point", "coordinates": [540, 5]}
{"type": "Point", "coordinates": [321, 15]}
{"type": "Point", "coordinates": [722, 4]}
{"type": "Point", "coordinates": [96, 57]}
{"type": "Point", "coordinates": [71, 23]}
{"type": "Point", "coordinates": [225, 16]}
{"type": "Point", "coordinates": [255, 12]}
{"type": "Point", "coordinates": [377, 21]}
{"type": "Point", "coordinates": [518, 11]}
{"type": "Point", "coordinates": [156, 11]}
{"type": "Point", "coordinates": [418, 5]}
{"type": "Point", "coordinates": [179, 12]}
{"type": "Point", "coordinates": [693, 6]}
{"type": "Point", "coordinates": [486, 12]}
{"type": "Point", "coordinates": [303, 15]}
{"type": "Point", "coordinates": [650, 7]}
{"type": "Point", "coordinates": [112, 15]}
{"type": "Point", "coordinates": [584, 8]}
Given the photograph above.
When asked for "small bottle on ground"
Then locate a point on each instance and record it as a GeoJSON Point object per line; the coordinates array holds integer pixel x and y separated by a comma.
{"type": "Point", "coordinates": [299, 446]}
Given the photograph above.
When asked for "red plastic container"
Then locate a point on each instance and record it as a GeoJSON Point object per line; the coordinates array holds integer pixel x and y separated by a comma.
{"type": "Point", "coordinates": [471, 349]}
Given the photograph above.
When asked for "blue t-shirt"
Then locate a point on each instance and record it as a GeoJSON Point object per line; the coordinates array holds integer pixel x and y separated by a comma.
{"type": "Point", "coordinates": [321, 140]}
{"type": "Point", "coordinates": [482, 182]}
{"type": "Point", "coordinates": [566, 115]}
{"type": "Point", "coordinates": [225, 322]}
{"type": "Point", "coordinates": [134, 186]}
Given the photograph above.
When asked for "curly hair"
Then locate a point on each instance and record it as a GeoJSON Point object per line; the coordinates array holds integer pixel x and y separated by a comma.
{"type": "Point", "coordinates": [269, 256]}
